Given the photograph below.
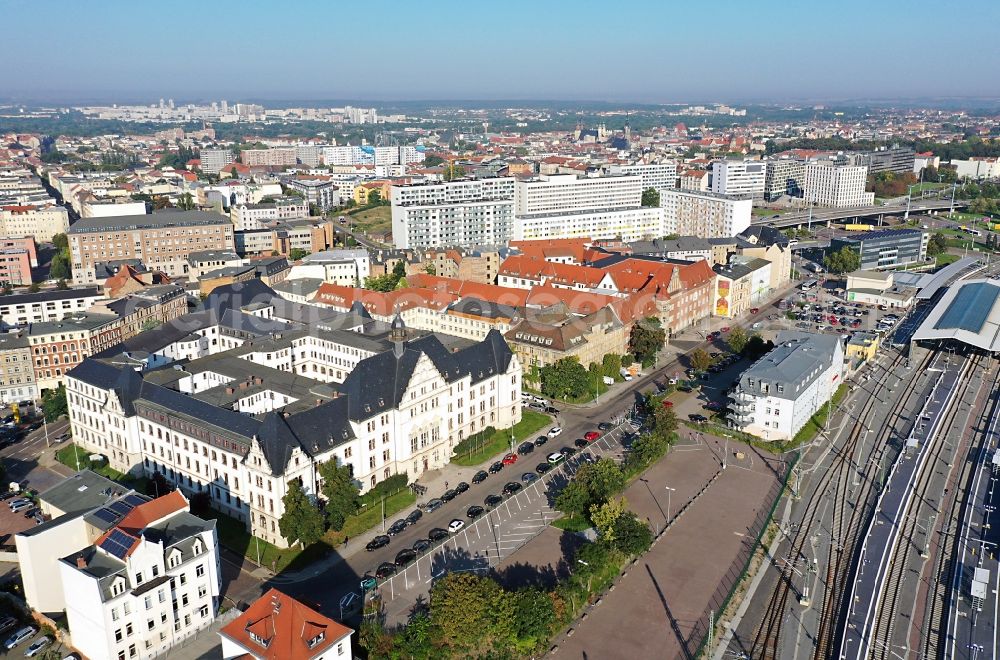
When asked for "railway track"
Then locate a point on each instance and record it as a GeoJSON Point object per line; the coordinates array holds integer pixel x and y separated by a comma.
{"type": "Point", "coordinates": [911, 529]}
{"type": "Point", "coordinates": [840, 480]}
{"type": "Point", "coordinates": [944, 549]}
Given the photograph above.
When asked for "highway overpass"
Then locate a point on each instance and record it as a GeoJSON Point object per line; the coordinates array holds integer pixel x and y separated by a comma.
{"type": "Point", "coordinates": [824, 215]}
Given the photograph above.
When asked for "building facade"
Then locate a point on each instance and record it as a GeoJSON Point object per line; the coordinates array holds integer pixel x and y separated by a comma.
{"type": "Point", "coordinates": [41, 223]}
{"type": "Point", "coordinates": [213, 160]}
{"type": "Point", "coordinates": [17, 375]}
{"type": "Point", "coordinates": [457, 213]}
{"type": "Point", "coordinates": [705, 214]}
{"type": "Point", "coordinates": [52, 305]}
{"type": "Point", "coordinates": [783, 176]}
{"type": "Point", "coordinates": [740, 178]}
{"type": "Point", "coordinates": [837, 186]}
{"type": "Point", "coordinates": [886, 248]}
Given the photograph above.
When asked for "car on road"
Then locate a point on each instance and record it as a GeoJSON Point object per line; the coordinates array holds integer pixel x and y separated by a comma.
{"type": "Point", "coordinates": [567, 451]}
{"type": "Point", "coordinates": [37, 646]}
{"type": "Point", "coordinates": [510, 488]}
{"type": "Point", "coordinates": [713, 405]}
{"type": "Point", "coordinates": [367, 583]}
{"type": "Point", "coordinates": [19, 637]}
{"type": "Point", "coordinates": [433, 505]}
{"type": "Point", "coordinates": [542, 468]}
{"type": "Point", "coordinates": [496, 467]}
{"type": "Point", "coordinates": [405, 556]}
{"type": "Point", "coordinates": [437, 534]}
{"type": "Point", "coordinates": [449, 495]}
{"type": "Point", "coordinates": [605, 426]}
{"type": "Point", "coordinates": [480, 477]}
{"type": "Point", "coordinates": [456, 526]}
{"type": "Point", "coordinates": [591, 435]}
{"type": "Point", "coordinates": [695, 417]}
{"type": "Point", "coordinates": [555, 431]}
{"type": "Point", "coordinates": [587, 457]}
{"type": "Point", "coordinates": [685, 388]}
{"type": "Point", "coordinates": [528, 477]}
{"type": "Point", "coordinates": [474, 512]}
{"type": "Point", "coordinates": [396, 527]}
{"type": "Point", "coordinates": [525, 448]}
{"type": "Point", "coordinates": [461, 487]}
{"type": "Point", "coordinates": [580, 442]}
{"type": "Point", "coordinates": [492, 500]}
{"type": "Point", "coordinates": [379, 541]}
{"type": "Point", "coordinates": [755, 310]}
{"type": "Point", "coordinates": [414, 516]}
{"type": "Point", "coordinates": [541, 440]}
{"type": "Point", "coordinates": [556, 457]}
{"type": "Point", "coordinates": [384, 570]}
{"type": "Point", "coordinates": [552, 410]}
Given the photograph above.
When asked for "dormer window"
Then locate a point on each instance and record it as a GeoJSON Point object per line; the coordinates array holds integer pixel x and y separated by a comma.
{"type": "Point", "coordinates": [174, 559]}
{"type": "Point", "coordinates": [118, 586]}
{"type": "Point", "coordinates": [260, 640]}
{"type": "Point", "coordinates": [197, 546]}
{"type": "Point", "coordinates": [316, 640]}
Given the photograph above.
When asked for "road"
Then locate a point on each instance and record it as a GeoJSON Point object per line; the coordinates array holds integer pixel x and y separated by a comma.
{"type": "Point", "coordinates": [21, 458]}
{"type": "Point", "coordinates": [822, 215]}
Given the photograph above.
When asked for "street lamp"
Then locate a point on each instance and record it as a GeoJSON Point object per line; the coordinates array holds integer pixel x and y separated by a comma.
{"type": "Point", "coordinates": [669, 490]}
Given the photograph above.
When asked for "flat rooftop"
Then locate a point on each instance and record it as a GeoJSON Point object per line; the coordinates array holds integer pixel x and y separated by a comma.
{"type": "Point", "coordinates": [968, 312]}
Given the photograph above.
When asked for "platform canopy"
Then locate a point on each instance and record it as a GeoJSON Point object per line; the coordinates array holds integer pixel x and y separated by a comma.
{"type": "Point", "coordinates": [967, 312]}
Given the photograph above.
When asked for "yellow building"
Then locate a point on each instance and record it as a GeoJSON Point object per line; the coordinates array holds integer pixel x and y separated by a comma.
{"type": "Point", "coordinates": [863, 345]}
{"type": "Point", "coordinates": [363, 190]}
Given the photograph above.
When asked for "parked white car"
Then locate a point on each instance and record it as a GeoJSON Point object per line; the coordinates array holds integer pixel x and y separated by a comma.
{"type": "Point", "coordinates": [554, 431]}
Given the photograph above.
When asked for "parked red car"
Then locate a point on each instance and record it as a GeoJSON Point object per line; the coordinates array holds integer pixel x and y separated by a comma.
{"type": "Point", "coordinates": [725, 329]}
{"type": "Point", "coordinates": [668, 404]}
{"type": "Point", "coordinates": [755, 310]}
{"type": "Point", "coordinates": [590, 436]}
{"type": "Point", "coordinates": [510, 459]}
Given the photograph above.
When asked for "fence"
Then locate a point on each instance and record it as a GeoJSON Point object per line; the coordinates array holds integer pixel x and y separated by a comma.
{"type": "Point", "coordinates": [739, 568]}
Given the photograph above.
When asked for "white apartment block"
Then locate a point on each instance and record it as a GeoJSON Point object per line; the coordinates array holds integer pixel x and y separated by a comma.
{"type": "Point", "coordinates": [250, 217]}
{"type": "Point", "coordinates": [628, 224]}
{"type": "Point", "coordinates": [213, 160]}
{"type": "Point", "coordinates": [398, 410]}
{"type": "Point", "coordinates": [739, 178]}
{"type": "Point", "coordinates": [44, 306]}
{"type": "Point", "coordinates": [778, 394]}
{"type": "Point", "coordinates": [308, 154]}
{"type": "Point", "coordinates": [345, 155]}
{"type": "Point", "coordinates": [41, 222]}
{"type": "Point", "coordinates": [838, 186]}
{"type": "Point", "coordinates": [659, 176]}
{"type": "Point", "coordinates": [345, 267]}
{"type": "Point", "coordinates": [458, 213]}
{"type": "Point", "coordinates": [106, 208]}
{"type": "Point", "coordinates": [275, 157]}
{"type": "Point", "coordinates": [566, 193]}
{"type": "Point", "coordinates": [705, 214]}
{"type": "Point", "coordinates": [977, 168]}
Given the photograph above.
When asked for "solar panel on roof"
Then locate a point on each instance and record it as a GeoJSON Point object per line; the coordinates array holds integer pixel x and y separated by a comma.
{"type": "Point", "coordinates": [107, 515]}
{"type": "Point", "coordinates": [135, 499]}
{"type": "Point", "coordinates": [120, 507]}
{"type": "Point", "coordinates": [117, 543]}
{"type": "Point", "coordinates": [970, 308]}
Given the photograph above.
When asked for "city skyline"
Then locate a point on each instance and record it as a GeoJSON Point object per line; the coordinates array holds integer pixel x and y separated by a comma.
{"type": "Point", "coordinates": [738, 54]}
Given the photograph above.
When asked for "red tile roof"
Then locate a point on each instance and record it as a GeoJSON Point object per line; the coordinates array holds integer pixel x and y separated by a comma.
{"type": "Point", "coordinates": [278, 626]}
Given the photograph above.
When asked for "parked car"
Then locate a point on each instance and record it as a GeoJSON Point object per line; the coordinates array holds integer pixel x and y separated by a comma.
{"type": "Point", "coordinates": [496, 467]}
{"type": "Point", "coordinates": [492, 500]}
{"type": "Point", "coordinates": [37, 646]}
{"type": "Point", "coordinates": [7, 623]}
{"type": "Point", "coordinates": [510, 459]}
{"type": "Point", "coordinates": [21, 505]}
{"type": "Point", "coordinates": [754, 310]}
{"type": "Point", "coordinates": [554, 431]}
{"type": "Point", "coordinates": [591, 435]}
{"type": "Point", "coordinates": [474, 511]}
{"type": "Point", "coordinates": [555, 458]}
{"type": "Point", "coordinates": [480, 477]}
{"type": "Point", "coordinates": [367, 583]}
{"type": "Point", "coordinates": [605, 426]}
{"type": "Point", "coordinates": [405, 556]}
{"type": "Point", "coordinates": [379, 541]}
{"type": "Point", "coordinates": [17, 502]}
{"type": "Point", "coordinates": [433, 505]}
{"type": "Point", "coordinates": [396, 527]}
{"type": "Point", "coordinates": [542, 468]}
{"type": "Point", "coordinates": [525, 448]}
{"type": "Point", "coordinates": [697, 418]}
{"type": "Point", "coordinates": [461, 487]}
{"type": "Point", "coordinates": [456, 525]}
{"type": "Point", "coordinates": [20, 636]}
{"type": "Point", "coordinates": [510, 488]}
{"type": "Point", "coordinates": [580, 442]}
{"type": "Point", "coordinates": [587, 457]}
{"type": "Point", "coordinates": [421, 544]}
{"type": "Point", "coordinates": [528, 477]}
{"type": "Point", "coordinates": [384, 570]}
{"type": "Point", "coordinates": [449, 495]}
{"type": "Point", "coordinates": [437, 534]}
{"type": "Point", "coordinates": [541, 440]}
{"type": "Point", "coordinates": [414, 516]}
{"type": "Point", "coordinates": [567, 451]}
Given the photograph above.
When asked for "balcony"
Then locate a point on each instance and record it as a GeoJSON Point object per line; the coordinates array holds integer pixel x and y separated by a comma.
{"type": "Point", "coordinates": [740, 419]}
{"type": "Point", "coordinates": [741, 396]}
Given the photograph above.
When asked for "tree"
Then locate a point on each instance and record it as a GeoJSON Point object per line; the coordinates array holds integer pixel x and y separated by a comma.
{"type": "Point", "coordinates": [601, 479]}
{"type": "Point", "coordinates": [632, 536]}
{"type": "Point", "coordinates": [470, 613]}
{"type": "Point", "coordinates": [452, 172]}
{"type": "Point", "coordinates": [60, 241]}
{"type": "Point", "coordinates": [383, 283]}
{"type": "Point", "coordinates": [430, 269]}
{"type": "Point", "coordinates": [185, 202]}
{"type": "Point", "coordinates": [605, 515]}
{"type": "Point", "coordinates": [339, 491]}
{"type": "Point", "coordinates": [565, 378]}
{"type": "Point", "coordinates": [612, 365]}
{"type": "Point", "coordinates": [756, 346]}
{"type": "Point", "coordinates": [301, 521]}
{"type": "Point", "coordinates": [700, 360]}
{"type": "Point", "coordinates": [534, 614]}
{"type": "Point", "coordinates": [844, 260]}
{"type": "Point", "coordinates": [399, 270]}
{"type": "Point", "coordinates": [34, 287]}
{"type": "Point", "coordinates": [645, 340]}
{"type": "Point", "coordinates": [574, 499]}
{"type": "Point", "coordinates": [937, 244]}
{"type": "Point", "coordinates": [664, 420]}
{"type": "Point", "coordinates": [296, 253]}
{"type": "Point", "coordinates": [61, 285]}
{"type": "Point", "coordinates": [54, 403]}
{"type": "Point", "coordinates": [374, 198]}
{"type": "Point", "coordinates": [737, 339]}
{"type": "Point", "coordinates": [650, 197]}
{"type": "Point", "coordinates": [433, 161]}
{"type": "Point", "coordinates": [59, 269]}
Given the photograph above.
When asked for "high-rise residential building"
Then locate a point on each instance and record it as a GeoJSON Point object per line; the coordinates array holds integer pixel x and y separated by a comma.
{"type": "Point", "coordinates": [160, 240]}
{"type": "Point", "coordinates": [345, 155]}
{"type": "Point", "coordinates": [213, 160]}
{"type": "Point", "coordinates": [42, 222]}
{"type": "Point", "coordinates": [739, 178]}
{"type": "Point", "coordinates": [838, 186]}
{"type": "Point", "coordinates": [783, 176]}
{"type": "Point", "coordinates": [461, 213]}
{"type": "Point", "coordinates": [661, 177]}
{"type": "Point", "coordinates": [319, 191]}
{"type": "Point", "coordinates": [307, 154]}
{"type": "Point", "coordinates": [705, 214]}
{"type": "Point", "coordinates": [275, 157]}
{"type": "Point", "coordinates": [256, 216]}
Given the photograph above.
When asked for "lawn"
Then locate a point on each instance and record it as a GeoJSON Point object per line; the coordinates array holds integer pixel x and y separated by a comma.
{"type": "Point", "coordinates": [377, 219]}
{"type": "Point", "coordinates": [368, 518]}
{"type": "Point", "coordinates": [944, 259]}
{"type": "Point", "coordinates": [531, 422]}
{"type": "Point", "coordinates": [73, 455]}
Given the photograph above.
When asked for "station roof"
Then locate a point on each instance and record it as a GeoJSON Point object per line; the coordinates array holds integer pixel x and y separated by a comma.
{"type": "Point", "coordinates": [969, 313]}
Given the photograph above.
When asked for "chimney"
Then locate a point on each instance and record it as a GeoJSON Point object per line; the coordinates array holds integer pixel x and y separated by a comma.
{"type": "Point", "coordinates": [257, 380]}
{"type": "Point", "coordinates": [230, 390]}
{"type": "Point", "coordinates": [81, 562]}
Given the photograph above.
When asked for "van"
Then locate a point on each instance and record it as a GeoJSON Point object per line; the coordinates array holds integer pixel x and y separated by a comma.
{"type": "Point", "coordinates": [608, 380]}
{"type": "Point", "coordinates": [21, 506]}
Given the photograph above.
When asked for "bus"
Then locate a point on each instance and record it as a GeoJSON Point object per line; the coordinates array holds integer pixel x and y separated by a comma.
{"type": "Point", "coordinates": [808, 285]}
{"type": "Point", "coordinates": [973, 232]}
{"type": "Point", "coordinates": [859, 227]}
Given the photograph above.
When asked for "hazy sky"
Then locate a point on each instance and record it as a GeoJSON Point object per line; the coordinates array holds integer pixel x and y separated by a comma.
{"type": "Point", "coordinates": [656, 51]}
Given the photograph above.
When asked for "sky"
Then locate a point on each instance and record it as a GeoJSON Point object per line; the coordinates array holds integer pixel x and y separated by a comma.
{"type": "Point", "coordinates": [628, 50]}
